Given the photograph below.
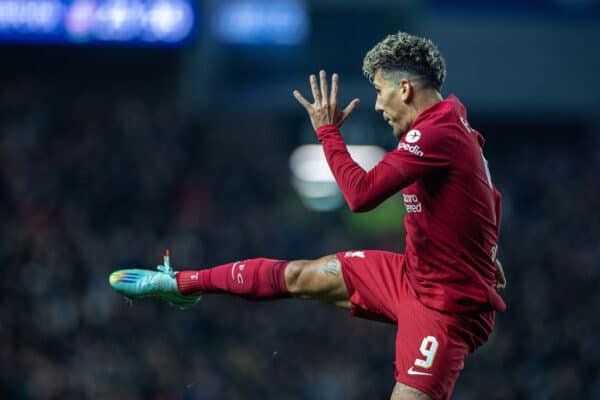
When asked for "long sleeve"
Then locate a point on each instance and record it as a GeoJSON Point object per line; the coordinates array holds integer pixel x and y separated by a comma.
{"type": "Point", "coordinates": [362, 190]}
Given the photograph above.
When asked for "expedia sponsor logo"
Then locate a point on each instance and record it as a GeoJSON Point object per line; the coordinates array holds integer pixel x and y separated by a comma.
{"type": "Point", "coordinates": [414, 149]}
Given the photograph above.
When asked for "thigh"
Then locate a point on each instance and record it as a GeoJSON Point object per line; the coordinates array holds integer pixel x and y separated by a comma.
{"type": "Point", "coordinates": [374, 282]}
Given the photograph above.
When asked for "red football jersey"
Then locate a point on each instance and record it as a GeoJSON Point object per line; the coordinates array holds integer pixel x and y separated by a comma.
{"type": "Point", "coordinates": [453, 209]}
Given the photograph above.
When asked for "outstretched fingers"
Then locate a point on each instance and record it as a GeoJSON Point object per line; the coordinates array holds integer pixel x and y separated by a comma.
{"type": "Point", "coordinates": [324, 89]}
{"type": "Point", "coordinates": [334, 91]}
{"type": "Point", "coordinates": [324, 109]}
{"type": "Point", "coordinates": [301, 99]}
{"type": "Point", "coordinates": [315, 89]}
{"type": "Point", "coordinates": [349, 109]}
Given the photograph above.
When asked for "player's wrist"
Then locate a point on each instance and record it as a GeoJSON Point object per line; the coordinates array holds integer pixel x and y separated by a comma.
{"type": "Point", "coordinates": [328, 129]}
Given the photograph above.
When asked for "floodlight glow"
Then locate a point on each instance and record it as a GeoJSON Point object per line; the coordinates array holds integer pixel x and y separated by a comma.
{"type": "Point", "coordinates": [33, 16]}
{"type": "Point", "coordinates": [80, 18]}
{"type": "Point", "coordinates": [284, 22]}
{"type": "Point", "coordinates": [171, 20]}
{"type": "Point", "coordinates": [129, 21]}
{"type": "Point", "coordinates": [118, 20]}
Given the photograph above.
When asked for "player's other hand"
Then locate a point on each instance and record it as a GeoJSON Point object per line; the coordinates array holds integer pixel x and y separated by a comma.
{"type": "Point", "coordinates": [500, 277]}
{"type": "Point", "coordinates": [324, 110]}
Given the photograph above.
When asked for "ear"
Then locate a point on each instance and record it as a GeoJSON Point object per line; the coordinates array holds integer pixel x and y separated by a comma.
{"type": "Point", "coordinates": [406, 90]}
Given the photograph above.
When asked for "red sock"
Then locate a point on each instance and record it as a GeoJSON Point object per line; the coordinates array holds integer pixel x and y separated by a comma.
{"type": "Point", "coordinates": [255, 279]}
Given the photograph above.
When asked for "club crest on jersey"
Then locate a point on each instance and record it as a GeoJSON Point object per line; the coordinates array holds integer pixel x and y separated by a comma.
{"type": "Point", "coordinates": [350, 254]}
{"type": "Point", "coordinates": [412, 136]}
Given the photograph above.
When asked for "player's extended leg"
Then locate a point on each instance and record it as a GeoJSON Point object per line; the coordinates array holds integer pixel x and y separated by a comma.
{"type": "Point", "coordinates": [254, 279]}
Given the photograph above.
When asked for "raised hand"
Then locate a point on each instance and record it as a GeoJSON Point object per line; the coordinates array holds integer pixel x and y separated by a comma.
{"type": "Point", "coordinates": [324, 110]}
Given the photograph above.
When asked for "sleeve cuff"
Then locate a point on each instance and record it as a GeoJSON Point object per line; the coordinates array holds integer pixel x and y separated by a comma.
{"type": "Point", "coordinates": [327, 130]}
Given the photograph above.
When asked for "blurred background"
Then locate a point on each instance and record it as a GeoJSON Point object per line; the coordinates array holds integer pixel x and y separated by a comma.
{"type": "Point", "coordinates": [130, 126]}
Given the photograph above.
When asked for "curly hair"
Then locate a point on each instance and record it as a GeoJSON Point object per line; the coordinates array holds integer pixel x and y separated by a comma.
{"type": "Point", "coordinates": [401, 54]}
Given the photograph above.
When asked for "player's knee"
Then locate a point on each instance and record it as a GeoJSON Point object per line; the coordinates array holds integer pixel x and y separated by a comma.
{"type": "Point", "coordinates": [405, 392]}
{"type": "Point", "coordinates": [319, 279]}
{"type": "Point", "coordinates": [295, 277]}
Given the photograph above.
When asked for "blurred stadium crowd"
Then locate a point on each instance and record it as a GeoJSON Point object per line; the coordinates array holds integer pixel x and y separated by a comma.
{"type": "Point", "coordinates": [98, 178]}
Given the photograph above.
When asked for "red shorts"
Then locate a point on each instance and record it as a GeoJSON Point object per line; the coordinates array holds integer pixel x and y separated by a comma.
{"type": "Point", "coordinates": [431, 346]}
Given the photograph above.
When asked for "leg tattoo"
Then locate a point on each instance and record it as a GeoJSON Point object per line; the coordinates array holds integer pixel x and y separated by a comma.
{"type": "Point", "coordinates": [332, 267]}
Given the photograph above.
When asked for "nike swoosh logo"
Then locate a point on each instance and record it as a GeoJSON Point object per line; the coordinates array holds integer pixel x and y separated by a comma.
{"type": "Point", "coordinates": [411, 371]}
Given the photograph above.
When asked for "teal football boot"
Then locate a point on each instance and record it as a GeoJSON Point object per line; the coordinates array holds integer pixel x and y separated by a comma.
{"type": "Point", "coordinates": [138, 283]}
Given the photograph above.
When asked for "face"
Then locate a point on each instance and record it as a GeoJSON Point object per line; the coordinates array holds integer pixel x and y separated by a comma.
{"type": "Point", "coordinates": [392, 101]}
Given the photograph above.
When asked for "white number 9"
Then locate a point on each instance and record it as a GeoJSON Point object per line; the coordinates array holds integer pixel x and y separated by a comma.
{"type": "Point", "coordinates": [429, 347]}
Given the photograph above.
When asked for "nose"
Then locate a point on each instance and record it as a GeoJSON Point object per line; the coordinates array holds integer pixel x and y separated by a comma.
{"type": "Point", "coordinates": [378, 106]}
